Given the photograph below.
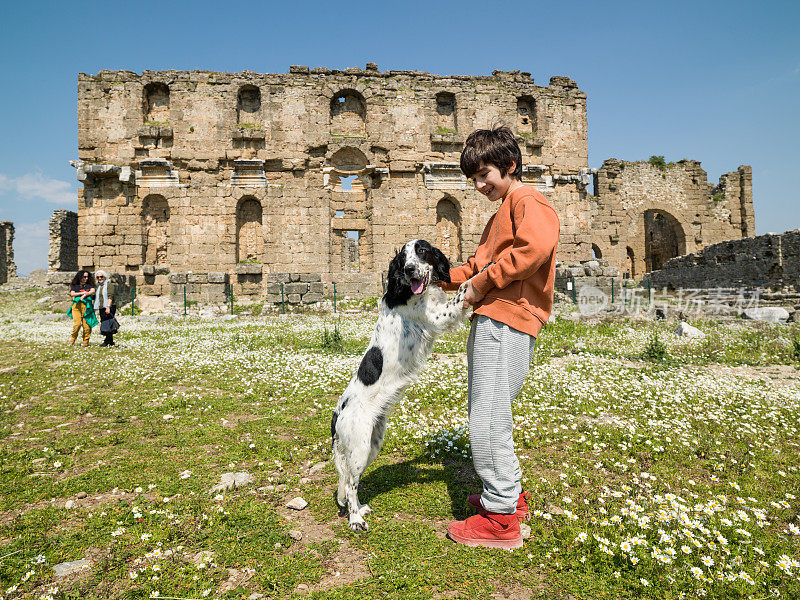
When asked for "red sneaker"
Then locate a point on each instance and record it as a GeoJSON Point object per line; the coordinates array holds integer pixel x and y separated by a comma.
{"type": "Point", "coordinates": [491, 530]}
{"type": "Point", "coordinates": [523, 511]}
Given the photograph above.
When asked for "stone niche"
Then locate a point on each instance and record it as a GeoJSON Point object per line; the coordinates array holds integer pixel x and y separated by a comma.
{"type": "Point", "coordinates": [156, 172]}
{"type": "Point", "coordinates": [443, 176]}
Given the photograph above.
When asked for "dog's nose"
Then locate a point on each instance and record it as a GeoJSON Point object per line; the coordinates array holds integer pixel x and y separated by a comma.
{"type": "Point", "coordinates": [409, 269]}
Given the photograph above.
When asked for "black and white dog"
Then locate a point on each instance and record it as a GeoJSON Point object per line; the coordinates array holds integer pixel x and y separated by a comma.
{"type": "Point", "coordinates": [413, 313]}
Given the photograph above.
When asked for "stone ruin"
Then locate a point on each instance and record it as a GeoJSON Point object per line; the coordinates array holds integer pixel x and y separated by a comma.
{"type": "Point", "coordinates": [8, 268]}
{"type": "Point", "coordinates": [250, 177]}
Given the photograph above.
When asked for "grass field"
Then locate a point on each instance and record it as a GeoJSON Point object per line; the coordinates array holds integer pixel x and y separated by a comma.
{"type": "Point", "coordinates": [658, 467]}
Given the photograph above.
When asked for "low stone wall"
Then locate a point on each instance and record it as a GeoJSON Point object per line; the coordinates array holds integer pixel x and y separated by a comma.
{"type": "Point", "coordinates": [203, 288]}
{"type": "Point", "coordinates": [765, 261]}
{"type": "Point", "coordinates": [595, 273]}
{"type": "Point", "coordinates": [298, 288]}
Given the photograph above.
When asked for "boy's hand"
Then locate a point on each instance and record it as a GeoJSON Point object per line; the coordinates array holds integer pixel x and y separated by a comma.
{"type": "Point", "coordinates": [472, 296]}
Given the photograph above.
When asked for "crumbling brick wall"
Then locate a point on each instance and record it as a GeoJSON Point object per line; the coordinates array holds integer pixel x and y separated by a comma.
{"type": "Point", "coordinates": [63, 254]}
{"type": "Point", "coordinates": [8, 267]}
{"type": "Point", "coordinates": [764, 261]}
{"type": "Point", "coordinates": [647, 213]}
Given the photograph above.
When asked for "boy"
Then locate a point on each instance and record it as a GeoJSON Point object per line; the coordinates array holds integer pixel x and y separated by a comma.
{"type": "Point", "coordinates": [512, 277]}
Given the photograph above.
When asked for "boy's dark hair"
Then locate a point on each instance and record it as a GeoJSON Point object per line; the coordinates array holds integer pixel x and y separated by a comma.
{"type": "Point", "coordinates": [77, 279]}
{"type": "Point", "coordinates": [492, 147]}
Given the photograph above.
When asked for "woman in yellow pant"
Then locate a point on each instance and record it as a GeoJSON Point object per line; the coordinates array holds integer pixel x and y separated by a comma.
{"type": "Point", "coordinates": [82, 309]}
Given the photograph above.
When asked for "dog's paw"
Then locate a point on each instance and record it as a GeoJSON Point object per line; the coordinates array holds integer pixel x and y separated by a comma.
{"type": "Point", "coordinates": [357, 523]}
{"type": "Point", "coordinates": [365, 510]}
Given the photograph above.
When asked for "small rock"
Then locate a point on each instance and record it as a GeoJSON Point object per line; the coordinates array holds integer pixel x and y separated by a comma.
{"type": "Point", "coordinates": [525, 530]}
{"type": "Point", "coordinates": [302, 587]}
{"type": "Point", "coordinates": [69, 504]}
{"type": "Point", "coordinates": [296, 535]}
{"type": "Point", "coordinates": [305, 480]}
{"type": "Point", "coordinates": [44, 299]}
{"type": "Point", "coordinates": [81, 495]}
{"type": "Point", "coordinates": [281, 487]}
{"type": "Point", "coordinates": [318, 467]}
{"type": "Point", "coordinates": [231, 481]}
{"type": "Point", "coordinates": [685, 330]}
{"type": "Point", "coordinates": [9, 370]}
{"type": "Point", "coordinates": [769, 314]}
{"type": "Point", "coordinates": [202, 558]}
{"type": "Point", "coordinates": [228, 317]}
{"type": "Point", "coordinates": [67, 568]}
{"type": "Point", "coordinates": [256, 596]}
{"type": "Point", "coordinates": [554, 510]}
{"type": "Point", "coordinates": [297, 503]}
{"type": "Point", "coordinates": [168, 417]}
{"type": "Point", "coordinates": [38, 461]}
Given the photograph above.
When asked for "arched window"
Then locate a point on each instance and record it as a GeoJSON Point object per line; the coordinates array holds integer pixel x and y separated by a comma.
{"type": "Point", "coordinates": [155, 107]}
{"type": "Point", "coordinates": [526, 116]}
{"type": "Point", "coordinates": [631, 263]}
{"type": "Point", "coordinates": [596, 254]}
{"type": "Point", "coordinates": [249, 234]}
{"type": "Point", "coordinates": [248, 105]}
{"type": "Point", "coordinates": [155, 230]}
{"type": "Point", "coordinates": [448, 229]}
{"type": "Point", "coordinates": [348, 164]}
{"type": "Point", "coordinates": [348, 114]}
{"type": "Point", "coordinates": [445, 113]}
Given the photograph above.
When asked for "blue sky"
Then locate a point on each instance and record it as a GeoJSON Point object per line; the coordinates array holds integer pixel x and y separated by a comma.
{"type": "Point", "coordinates": [716, 82]}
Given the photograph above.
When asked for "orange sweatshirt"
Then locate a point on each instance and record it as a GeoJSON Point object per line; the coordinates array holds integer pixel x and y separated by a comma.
{"type": "Point", "coordinates": [520, 239]}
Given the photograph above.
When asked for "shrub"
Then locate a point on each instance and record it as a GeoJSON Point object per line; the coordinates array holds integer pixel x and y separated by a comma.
{"type": "Point", "coordinates": [655, 350]}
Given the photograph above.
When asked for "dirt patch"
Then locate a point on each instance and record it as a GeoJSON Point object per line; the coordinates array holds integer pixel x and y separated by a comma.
{"type": "Point", "coordinates": [345, 566]}
{"type": "Point", "coordinates": [90, 502]}
{"type": "Point", "coordinates": [512, 592]}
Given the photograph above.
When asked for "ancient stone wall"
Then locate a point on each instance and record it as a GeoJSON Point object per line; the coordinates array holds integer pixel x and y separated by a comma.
{"type": "Point", "coordinates": [8, 268]}
{"type": "Point", "coordinates": [765, 261]}
{"type": "Point", "coordinates": [647, 213]}
{"type": "Point", "coordinates": [63, 254]}
{"type": "Point", "coordinates": [315, 171]}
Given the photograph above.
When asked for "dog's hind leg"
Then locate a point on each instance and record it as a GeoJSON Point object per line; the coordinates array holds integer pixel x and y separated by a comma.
{"type": "Point", "coordinates": [357, 462]}
{"type": "Point", "coordinates": [375, 445]}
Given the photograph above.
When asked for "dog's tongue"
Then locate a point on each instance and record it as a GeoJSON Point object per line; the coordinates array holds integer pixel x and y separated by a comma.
{"type": "Point", "coordinates": [416, 285]}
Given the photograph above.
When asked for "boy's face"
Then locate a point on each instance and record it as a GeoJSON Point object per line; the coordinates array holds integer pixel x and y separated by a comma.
{"type": "Point", "coordinates": [489, 181]}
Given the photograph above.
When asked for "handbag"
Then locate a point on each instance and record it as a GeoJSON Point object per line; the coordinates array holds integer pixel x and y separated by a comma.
{"type": "Point", "coordinates": [109, 326]}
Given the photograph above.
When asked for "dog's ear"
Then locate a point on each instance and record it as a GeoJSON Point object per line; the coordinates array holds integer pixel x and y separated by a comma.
{"type": "Point", "coordinates": [397, 289]}
{"type": "Point", "coordinates": [441, 266]}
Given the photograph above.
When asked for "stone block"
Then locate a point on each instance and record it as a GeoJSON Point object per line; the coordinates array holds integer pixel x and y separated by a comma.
{"type": "Point", "coordinates": [197, 277]}
{"type": "Point", "coordinates": [149, 270]}
{"type": "Point", "coordinates": [249, 268]}
{"type": "Point", "coordinates": [310, 277]}
{"type": "Point", "coordinates": [312, 297]}
{"type": "Point", "coordinates": [316, 287]}
{"type": "Point", "coordinates": [178, 278]}
{"type": "Point", "coordinates": [217, 277]}
{"type": "Point", "coordinates": [293, 298]}
{"type": "Point", "coordinates": [296, 288]}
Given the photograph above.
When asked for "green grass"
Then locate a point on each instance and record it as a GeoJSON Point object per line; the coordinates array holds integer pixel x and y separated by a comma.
{"type": "Point", "coordinates": [609, 425]}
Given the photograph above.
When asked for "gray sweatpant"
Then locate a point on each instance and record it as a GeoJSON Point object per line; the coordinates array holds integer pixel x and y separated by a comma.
{"type": "Point", "coordinates": [498, 357]}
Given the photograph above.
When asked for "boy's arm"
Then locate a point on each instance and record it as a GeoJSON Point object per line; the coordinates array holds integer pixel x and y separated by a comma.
{"type": "Point", "coordinates": [535, 240]}
{"type": "Point", "coordinates": [459, 275]}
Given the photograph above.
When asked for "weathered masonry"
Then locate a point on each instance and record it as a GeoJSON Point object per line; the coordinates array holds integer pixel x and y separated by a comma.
{"type": "Point", "coordinates": [329, 172]}
{"type": "Point", "coordinates": [8, 268]}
